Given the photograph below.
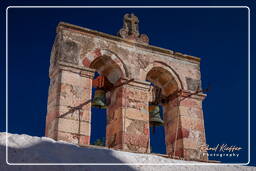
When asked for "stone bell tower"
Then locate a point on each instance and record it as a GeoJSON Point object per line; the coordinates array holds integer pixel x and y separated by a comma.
{"type": "Point", "coordinates": [130, 65]}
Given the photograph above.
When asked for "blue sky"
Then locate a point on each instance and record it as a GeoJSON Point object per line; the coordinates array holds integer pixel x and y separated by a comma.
{"type": "Point", "coordinates": [218, 36]}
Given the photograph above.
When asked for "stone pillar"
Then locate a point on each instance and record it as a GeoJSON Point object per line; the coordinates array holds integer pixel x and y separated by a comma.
{"type": "Point", "coordinates": [128, 118]}
{"type": "Point", "coordinates": [70, 86]}
{"type": "Point", "coordinates": [184, 127]}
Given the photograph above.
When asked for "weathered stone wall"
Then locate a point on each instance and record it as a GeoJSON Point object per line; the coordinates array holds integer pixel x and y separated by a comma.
{"type": "Point", "coordinates": [69, 88]}
{"type": "Point", "coordinates": [128, 119]}
{"type": "Point", "coordinates": [79, 52]}
{"type": "Point", "coordinates": [135, 61]}
{"type": "Point", "coordinates": [184, 127]}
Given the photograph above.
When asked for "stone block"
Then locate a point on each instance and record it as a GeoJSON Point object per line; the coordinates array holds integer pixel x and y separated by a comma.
{"type": "Point", "coordinates": [132, 113]}
{"type": "Point", "coordinates": [69, 113]}
{"type": "Point", "coordinates": [193, 84]}
{"type": "Point", "coordinates": [74, 95]}
{"type": "Point", "coordinates": [134, 141]}
{"type": "Point", "coordinates": [191, 123]}
{"type": "Point", "coordinates": [134, 148]}
{"type": "Point", "coordinates": [189, 102]}
{"type": "Point", "coordinates": [75, 79]}
{"type": "Point", "coordinates": [191, 112]}
{"type": "Point", "coordinates": [135, 126]}
{"type": "Point", "coordinates": [73, 126]}
{"type": "Point", "coordinates": [139, 105]}
{"type": "Point", "coordinates": [68, 137]}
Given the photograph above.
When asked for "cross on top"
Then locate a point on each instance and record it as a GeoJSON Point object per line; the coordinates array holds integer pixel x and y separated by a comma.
{"type": "Point", "coordinates": [130, 29]}
{"type": "Point", "coordinates": [131, 24]}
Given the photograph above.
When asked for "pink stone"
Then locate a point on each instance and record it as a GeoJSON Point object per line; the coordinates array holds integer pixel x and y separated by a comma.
{"type": "Point", "coordinates": [121, 59]}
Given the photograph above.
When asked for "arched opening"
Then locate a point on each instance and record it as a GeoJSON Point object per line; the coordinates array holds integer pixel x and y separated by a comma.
{"type": "Point", "coordinates": [157, 135]}
{"type": "Point", "coordinates": [105, 67]}
{"type": "Point", "coordinates": [98, 121]}
{"type": "Point", "coordinates": [163, 85]}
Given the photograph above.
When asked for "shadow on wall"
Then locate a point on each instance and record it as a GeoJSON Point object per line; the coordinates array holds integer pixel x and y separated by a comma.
{"type": "Point", "coordinates": [48, 152]}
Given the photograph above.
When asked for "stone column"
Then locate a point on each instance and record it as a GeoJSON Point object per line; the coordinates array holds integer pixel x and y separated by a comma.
{"type": "Point", "coordinates": [184, 127]}
{"type": "Point", "coordinates": [128, 118]}
{"type": "Point", "coordinates": [68, 115]}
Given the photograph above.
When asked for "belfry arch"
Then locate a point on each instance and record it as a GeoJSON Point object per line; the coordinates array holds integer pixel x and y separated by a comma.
{"type": "Point", "coordinates": [129, 63]}
{"type": "Point", "coordinates": [104, 60]}
{"type": "Point", "coordinates": [109, 70]}
{"type": "Point", "coordinates": [165, 84]}
{"type": "Point", "coordinates": [163, 68]}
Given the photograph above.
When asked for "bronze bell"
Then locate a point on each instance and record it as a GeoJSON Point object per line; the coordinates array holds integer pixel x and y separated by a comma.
{"type": "Point", "coordinates": [99, 99]}
{"type": "Point", "coordinates": [154, 115]}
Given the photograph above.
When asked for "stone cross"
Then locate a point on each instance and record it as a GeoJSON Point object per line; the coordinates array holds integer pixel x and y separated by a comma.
{"type": "Point", "coordinates": [130, 29]}
{"type": "Point", "coordinates": [131, 24]}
